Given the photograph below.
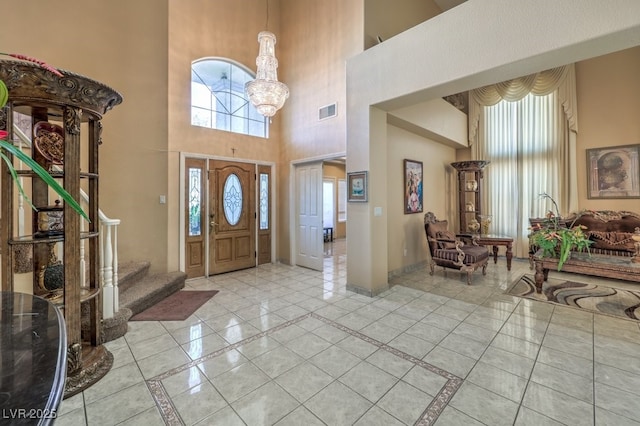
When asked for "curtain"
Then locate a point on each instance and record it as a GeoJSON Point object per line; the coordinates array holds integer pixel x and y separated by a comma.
{"type": "Point", "coordinates": [526, 128]}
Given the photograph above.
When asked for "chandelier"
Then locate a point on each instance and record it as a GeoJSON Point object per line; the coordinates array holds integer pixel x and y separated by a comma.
{"type": "Point", "coordinates": [266, 93]}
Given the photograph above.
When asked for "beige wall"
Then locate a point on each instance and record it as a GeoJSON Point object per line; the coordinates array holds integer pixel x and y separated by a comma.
{"type": "Point", "coordinates": [336, 171]}
{"type": "Point", "coordinates": [406, 231]}
{"type": "Point", "coordinates": [148, 61]}
{"type": "Point", "coordinates": [210, 28]}
{"type": "Point", "coordinates": [313, 40]}
{"type": "Point", "coordinates": [320, 36]}
{"type": "Point", "coordinates": [116, 43]}
{"type": "Point", "coordinates": [608, 90]}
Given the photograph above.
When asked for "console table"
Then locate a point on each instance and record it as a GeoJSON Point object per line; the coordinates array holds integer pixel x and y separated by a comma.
{"type": "Point", "coordinates": [34, 359]}
{"type": "Point", "coordinates": [599, 265]}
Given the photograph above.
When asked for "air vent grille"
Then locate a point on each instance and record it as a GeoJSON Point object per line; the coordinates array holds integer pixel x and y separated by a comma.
{"type": "Point", "coordinates": [327, 112]}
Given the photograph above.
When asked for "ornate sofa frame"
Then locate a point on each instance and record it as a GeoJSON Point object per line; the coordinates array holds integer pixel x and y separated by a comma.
{"type": "Point", "coordinates": [609, 230]}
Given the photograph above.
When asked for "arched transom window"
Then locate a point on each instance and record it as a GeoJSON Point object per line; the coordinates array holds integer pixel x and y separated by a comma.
{"type": "Point", "coordinates": [218, 99]}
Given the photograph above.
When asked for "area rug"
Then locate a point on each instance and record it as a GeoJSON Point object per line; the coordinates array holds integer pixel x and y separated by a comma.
{"type": "Point", "coordinates": [590, 297]}
{"type": "Point", "coordinates": [177, 307]}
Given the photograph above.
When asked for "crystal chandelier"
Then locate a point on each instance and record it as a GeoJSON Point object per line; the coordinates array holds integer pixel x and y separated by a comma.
{"type": "Point", "coordinates": [266, 93]}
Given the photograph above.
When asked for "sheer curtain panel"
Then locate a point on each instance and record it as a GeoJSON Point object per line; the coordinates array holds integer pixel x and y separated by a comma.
{"type": "Point", "coordinates": [526, 127]}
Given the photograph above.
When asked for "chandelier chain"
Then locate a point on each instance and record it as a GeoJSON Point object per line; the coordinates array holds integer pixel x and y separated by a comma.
{"type": "Point", "coordinates": [267, 23]}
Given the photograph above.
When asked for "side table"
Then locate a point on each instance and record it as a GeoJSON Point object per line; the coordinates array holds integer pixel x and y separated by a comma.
{"type": "Point", "coordinates": [495, 241]}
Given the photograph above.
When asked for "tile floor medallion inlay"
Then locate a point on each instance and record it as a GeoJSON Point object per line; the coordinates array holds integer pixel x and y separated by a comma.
{"type": "Point", "coordinates": [432, 408]}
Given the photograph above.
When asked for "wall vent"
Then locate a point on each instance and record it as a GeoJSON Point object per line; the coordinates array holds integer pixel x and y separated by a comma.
{"type": "Point", "coordinates": [327, 111]}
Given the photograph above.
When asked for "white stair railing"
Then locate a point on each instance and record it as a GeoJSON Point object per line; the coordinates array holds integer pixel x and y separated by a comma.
{"type": "Point", "coordinates": [109, 266]}
{"type": "Point", "coordinates": [108, 234]}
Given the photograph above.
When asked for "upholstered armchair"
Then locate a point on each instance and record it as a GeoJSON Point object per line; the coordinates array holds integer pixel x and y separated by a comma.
{"type": "Point", "coordinates": [451, 252]}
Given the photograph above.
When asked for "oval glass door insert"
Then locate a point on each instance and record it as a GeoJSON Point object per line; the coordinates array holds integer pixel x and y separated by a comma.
{"type": "Point", "coordinates": [232, 199]}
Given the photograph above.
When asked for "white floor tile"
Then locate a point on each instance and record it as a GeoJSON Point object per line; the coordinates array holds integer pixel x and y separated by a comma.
{"type": "Point", "coordinates": [287, 345]}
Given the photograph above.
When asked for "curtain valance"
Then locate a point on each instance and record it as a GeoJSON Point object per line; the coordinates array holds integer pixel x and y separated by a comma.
{"type": "Point", "coordinates": [541, 83]}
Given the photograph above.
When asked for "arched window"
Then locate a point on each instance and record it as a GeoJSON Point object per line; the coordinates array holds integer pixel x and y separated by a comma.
{"type": "Point", "coordinates": [218, 99]}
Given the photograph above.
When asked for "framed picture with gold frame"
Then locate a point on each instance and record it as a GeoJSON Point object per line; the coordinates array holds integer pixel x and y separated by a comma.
{"type": "Point", "coordinates": [613, 172]}
{"type": "Point", "coordinates": [412, 186]}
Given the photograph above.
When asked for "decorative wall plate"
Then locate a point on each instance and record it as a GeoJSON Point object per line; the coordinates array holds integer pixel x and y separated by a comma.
{"type": "Point", "coordinates": [49, 141]}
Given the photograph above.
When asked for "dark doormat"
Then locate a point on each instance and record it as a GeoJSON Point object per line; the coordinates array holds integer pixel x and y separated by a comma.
{"type": "Point", "coordinates": [177, 307]}
{"type": "Point", "coordinates": [590, 297]}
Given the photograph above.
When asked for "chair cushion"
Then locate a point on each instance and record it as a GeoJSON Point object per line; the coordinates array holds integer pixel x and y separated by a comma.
{"type": "Point", "coordinates": [472, 254]}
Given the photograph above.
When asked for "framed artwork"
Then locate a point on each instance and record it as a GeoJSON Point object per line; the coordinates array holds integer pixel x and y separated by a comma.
{"type": "Point", "coordinates": [412, 186]}
{"type": "Point", "coordinates": [357, 186]}
{"type": "Point", "coordinates": [613, 172]}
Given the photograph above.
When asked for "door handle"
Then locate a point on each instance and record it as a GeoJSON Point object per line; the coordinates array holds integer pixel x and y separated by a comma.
{"type": "Point", "coordinates": [212, 223]}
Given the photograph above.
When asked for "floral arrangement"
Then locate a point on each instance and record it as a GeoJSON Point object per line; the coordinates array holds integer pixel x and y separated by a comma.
{"type": "Point", "coordinates": [556, 238]}
{"type": "Point", "coordinates": [6, 147]}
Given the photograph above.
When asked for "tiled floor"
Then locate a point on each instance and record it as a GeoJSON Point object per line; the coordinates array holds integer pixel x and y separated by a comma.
{"type": "Point", "coordinates": [290, 346]}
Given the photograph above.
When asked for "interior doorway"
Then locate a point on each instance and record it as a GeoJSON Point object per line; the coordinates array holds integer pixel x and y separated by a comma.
{"type": "Point", "coordinates": [328, 208]}
{"type": "Point", "coordinates": [308, 232]}
{"type": "Point", "coordinates": [318, 221]}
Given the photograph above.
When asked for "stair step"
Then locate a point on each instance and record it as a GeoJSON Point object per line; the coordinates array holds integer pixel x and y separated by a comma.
{"type": "Point", "coordinates": [150, 290]}
{"type": "Point", "coordinates": [129, 273]}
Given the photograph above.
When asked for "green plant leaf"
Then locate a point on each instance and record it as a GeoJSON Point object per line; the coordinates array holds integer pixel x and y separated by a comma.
{"type": "Point", "coordinates": [14, 176]}
{"type": "Point", "coordinates": [42, 173]}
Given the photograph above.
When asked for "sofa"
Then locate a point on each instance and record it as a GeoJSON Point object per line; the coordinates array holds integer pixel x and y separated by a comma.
{"type": "Point", "coordinates": [612, 234]}
{"type": "Point", "coordinates": [609, 230]}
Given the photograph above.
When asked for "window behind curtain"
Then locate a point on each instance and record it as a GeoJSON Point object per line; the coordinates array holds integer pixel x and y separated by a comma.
{"type": "Point", "coordinates": [522, 144]}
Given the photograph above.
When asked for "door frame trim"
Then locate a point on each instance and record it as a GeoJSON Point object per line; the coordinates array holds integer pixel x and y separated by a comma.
{"type": "Point", "coordinates": [181, 207]}
{"type": "Point", "coordinates": [293, 224]}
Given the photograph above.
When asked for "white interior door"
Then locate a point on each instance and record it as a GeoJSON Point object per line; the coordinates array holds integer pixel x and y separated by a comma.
{"type": "Point", "coordinates": [309, 242]}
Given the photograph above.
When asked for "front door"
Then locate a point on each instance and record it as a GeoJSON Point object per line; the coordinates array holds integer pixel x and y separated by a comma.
{"type": "Point", "coordinates": [232, 216]}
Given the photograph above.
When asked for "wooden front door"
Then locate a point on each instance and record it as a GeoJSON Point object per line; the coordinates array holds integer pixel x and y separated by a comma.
{"type": "Point", "coordinates": [232, 216]}
{"type": "Point", "coordinates": [195, 222]}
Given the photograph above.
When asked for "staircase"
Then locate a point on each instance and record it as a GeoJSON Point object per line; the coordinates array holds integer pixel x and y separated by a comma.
{"type": "Point", "coordinates": [138, 291]}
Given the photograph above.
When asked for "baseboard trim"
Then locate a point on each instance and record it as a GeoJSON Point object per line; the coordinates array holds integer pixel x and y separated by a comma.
{"type": "Point", "coordinates": [366, 292]}
{"type": "Point", "coordinates": [406, 269]}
